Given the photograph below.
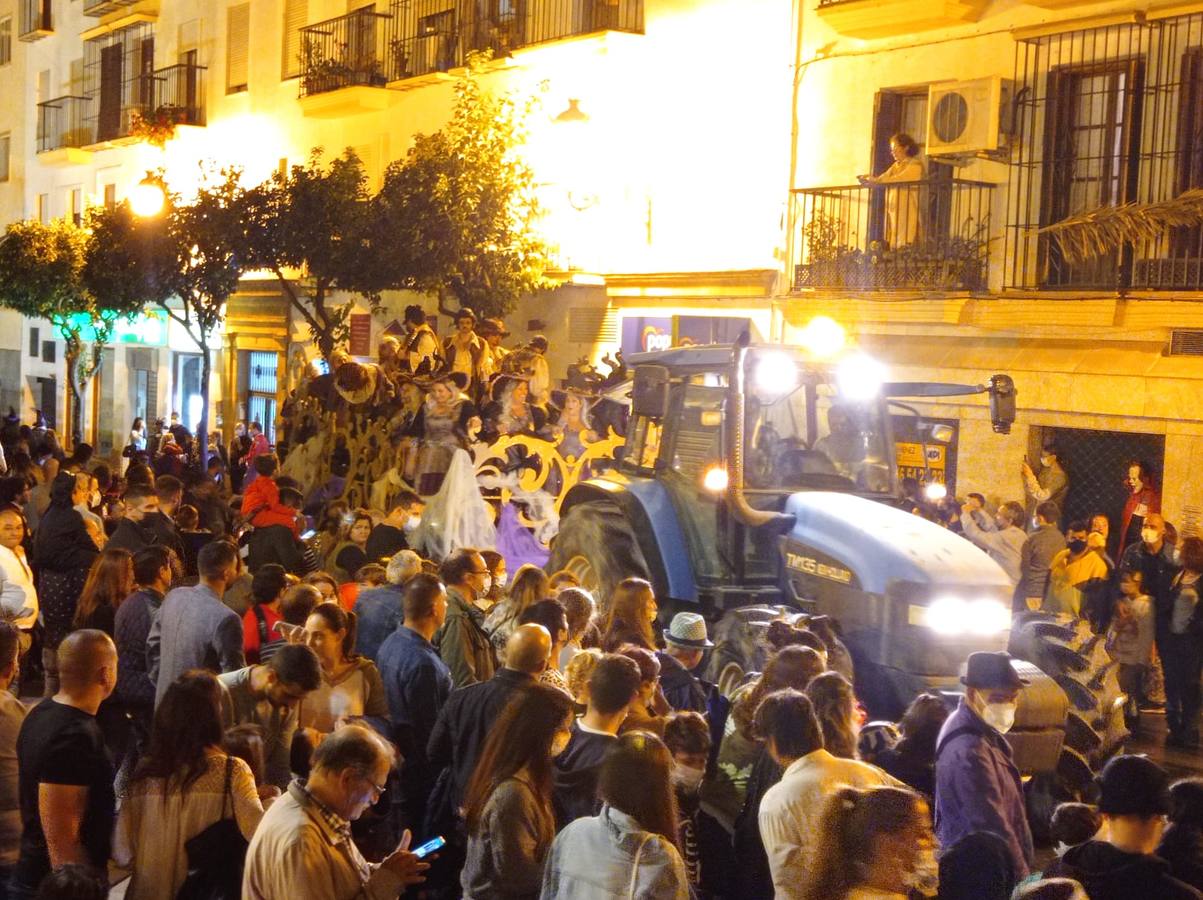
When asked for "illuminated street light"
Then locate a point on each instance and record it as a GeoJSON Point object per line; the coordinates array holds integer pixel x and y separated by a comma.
{"type": "Point", "coordinates": [148, 198]}
{"type": "Point", "coordinates": [823, 337]}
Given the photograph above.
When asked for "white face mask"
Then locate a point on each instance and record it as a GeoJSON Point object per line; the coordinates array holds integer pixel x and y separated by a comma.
{"type": "Point", "coordinates": [1046, 460]}
{"type": "Point", "coordinates": [687, 778]}
{"type": "Point", "coordinates": [488, 585]}
{"type": "Point", "coordinates": [1177, 556]}
{"type": "Point", "coordinates": [94, 499]}
{"type": "Point", "coordinates": [999, 716]}
{"type": "Point", "coordinates": [412, 523]}
{"type": "Point", "coordinates": [502, 579]}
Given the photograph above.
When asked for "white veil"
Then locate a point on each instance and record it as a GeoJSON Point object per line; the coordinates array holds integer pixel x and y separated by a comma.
{"type": "Point", "coordinates": [457, 516]}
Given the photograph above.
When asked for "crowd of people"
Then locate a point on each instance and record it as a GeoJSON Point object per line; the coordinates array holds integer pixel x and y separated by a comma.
{"type": "Point", "coordinates": [250, 690]}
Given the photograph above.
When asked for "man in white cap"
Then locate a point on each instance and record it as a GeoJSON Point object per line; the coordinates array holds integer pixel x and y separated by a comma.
{"type": "Point", "coordinates": [686, 642]}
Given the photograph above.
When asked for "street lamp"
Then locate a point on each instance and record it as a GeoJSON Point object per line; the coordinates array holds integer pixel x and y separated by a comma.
{"type": "Point", "coordinates": [148, 198]}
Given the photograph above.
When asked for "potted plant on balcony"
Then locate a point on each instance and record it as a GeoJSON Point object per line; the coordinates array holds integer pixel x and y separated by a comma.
{"type": "Point", "coordinates": [158, 126]}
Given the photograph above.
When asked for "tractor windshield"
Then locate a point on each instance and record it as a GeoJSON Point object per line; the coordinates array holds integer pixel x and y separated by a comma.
{"type": "Point", "coordinates": [813, 439]}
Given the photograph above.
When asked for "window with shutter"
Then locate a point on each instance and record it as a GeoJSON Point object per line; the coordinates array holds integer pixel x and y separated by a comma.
{"type": "Point", "coordinates": [238, 25]}
{"type": "Point", "coordinates": [296, 15]}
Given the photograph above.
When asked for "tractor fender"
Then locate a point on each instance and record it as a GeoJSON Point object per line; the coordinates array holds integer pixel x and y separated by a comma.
{"type": "Point", "coordinates": [652, 516]}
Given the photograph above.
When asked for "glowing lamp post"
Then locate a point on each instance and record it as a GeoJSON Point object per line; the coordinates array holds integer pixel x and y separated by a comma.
{"type": "Point", "coordinates": [148, 198]}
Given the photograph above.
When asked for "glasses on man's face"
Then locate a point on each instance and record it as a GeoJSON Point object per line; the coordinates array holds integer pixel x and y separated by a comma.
{"type": "Point", "coordinates": [377, 789]}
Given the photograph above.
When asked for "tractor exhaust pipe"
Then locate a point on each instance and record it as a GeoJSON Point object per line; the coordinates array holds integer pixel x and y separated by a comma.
{"type": "Point", "coordinates": [737, 503]}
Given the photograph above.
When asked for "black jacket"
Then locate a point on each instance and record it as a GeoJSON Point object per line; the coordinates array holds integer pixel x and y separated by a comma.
{"type": "Point", "coordinates": [464, 724]}
{"type": "Point", "coordinates": [276, 544]}
{"type": "Point", "coordinates": [1182, 847]}
{"type": "Point", "coordinates": [62, 543]}
{"type": "Point", "coordinates": [384, 543]}
{"type": "Point", "coordinates": [1108, 873]}
{"type": "Point", "coordinates": [682, 689]}
{"type": "Point", "coordinates": [134, 537]}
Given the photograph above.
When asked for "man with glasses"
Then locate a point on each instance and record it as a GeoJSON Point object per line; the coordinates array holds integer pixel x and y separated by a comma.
{"type": "Point", "coordinates": [462, 641]}
{"type": "Point", "coordinates": [303, 845]}
{"type": "Point", "coordinates": [268, 696]}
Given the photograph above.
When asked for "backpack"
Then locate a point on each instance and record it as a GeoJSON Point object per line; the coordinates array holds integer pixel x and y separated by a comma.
{"type": "Point", "coordinates": [267, 645]}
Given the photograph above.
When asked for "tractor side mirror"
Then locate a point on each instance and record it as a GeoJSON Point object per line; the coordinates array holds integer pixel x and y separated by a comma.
{"type": "Point", "coordinates": [649, 396]}
{"type": "Point", "coordinates": [1002, 403]}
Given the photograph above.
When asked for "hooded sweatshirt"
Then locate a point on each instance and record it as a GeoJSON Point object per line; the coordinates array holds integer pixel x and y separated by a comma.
{"type": "Point", "coordinates": [1109, 873]}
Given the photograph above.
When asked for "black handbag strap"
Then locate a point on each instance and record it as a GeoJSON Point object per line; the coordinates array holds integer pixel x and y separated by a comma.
{"type": "Point", "coordinates": [225, 791]}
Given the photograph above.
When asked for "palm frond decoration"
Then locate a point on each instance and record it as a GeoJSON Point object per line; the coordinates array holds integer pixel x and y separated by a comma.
{"type": "Point", "coordinates": [1099, 231]}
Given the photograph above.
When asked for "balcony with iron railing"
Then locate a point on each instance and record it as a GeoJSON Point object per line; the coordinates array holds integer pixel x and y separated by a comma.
{"type": "Point", "coordinates": [931, 235]}
{"type": "Point", "coordinates": [885, 18]}
{"type": "Point", "coordinates": [63, 123]}
{"type": "Point", "coordinates": [344, 52]}
{"type": "Point", "coordinates": [179, 94]}
{"type": "Point", "coordinates": [36, 20]}
{"type": "Point", "coordinates": [432, 36]}
{"type": "Point", "coordinates": [104, 7]}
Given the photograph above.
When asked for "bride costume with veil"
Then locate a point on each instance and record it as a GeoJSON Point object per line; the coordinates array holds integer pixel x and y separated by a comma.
{"type": "Point", "coordinates": [457, 516]}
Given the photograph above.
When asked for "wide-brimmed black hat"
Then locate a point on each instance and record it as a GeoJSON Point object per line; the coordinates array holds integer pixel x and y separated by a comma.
{"type": "Point", "coordinates": [991, 671]}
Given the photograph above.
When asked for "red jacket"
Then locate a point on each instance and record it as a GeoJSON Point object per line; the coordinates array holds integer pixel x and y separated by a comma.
{"type": "Point", "coordinates": [1150, 498]}
{"type": "Point", "coordinates": [262, 498]}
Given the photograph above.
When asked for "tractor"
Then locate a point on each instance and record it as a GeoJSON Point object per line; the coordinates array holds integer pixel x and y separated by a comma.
{"type": "Point", "coordinates": [758, 479]}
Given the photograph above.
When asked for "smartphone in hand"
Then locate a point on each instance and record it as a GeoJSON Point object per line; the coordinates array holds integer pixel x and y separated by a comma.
{"type": "Point", "coordinates": [429, 847]}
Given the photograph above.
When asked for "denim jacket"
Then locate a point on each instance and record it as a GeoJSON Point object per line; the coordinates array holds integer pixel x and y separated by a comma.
{"type": "Point", "coordinates": [610, 855]}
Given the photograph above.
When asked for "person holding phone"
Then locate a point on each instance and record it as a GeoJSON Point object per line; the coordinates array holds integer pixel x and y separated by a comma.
{"type": "Point", "coordinates": [508, 809]}
{"type": "Point", "coordinates": [303, 846]}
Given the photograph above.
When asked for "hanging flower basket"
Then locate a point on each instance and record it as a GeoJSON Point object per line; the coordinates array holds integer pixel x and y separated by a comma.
{"type": "Point", "coordinates": [157, 127]}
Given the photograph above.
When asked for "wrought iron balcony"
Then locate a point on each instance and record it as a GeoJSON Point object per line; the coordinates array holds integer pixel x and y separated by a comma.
{"type": "Point", "coordinates": [63, 122]}
{"type": "Point", "coordinates": [104, 7]}
{"type": "Point", "coordinates": [907, 236]}
{"type": "Point", "coordinates": [347, 51]}
{"type": "Point", "coordinates": [427, 36]}
{"type": "Point", "coordinates": [179, 94]}
{"type": "Point", "coordinates": [36, 20]}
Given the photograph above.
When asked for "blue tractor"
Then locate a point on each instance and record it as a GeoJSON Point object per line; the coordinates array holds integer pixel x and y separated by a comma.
{"type": "Point", "coordinates": [754, 476]}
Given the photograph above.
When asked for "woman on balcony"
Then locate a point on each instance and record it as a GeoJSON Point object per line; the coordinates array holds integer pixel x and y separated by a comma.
{"type": "Point", "coordinates": [902, 204]}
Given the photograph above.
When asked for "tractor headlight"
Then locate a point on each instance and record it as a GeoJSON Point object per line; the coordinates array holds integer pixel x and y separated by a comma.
{"type": "Point", "coordinates": [953, 615]}
{"type": "Point", "coordinates": [776, 374]}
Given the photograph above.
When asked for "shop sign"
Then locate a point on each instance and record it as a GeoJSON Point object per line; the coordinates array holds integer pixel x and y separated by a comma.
{"type": "Point", "coordinates": [148, 328]}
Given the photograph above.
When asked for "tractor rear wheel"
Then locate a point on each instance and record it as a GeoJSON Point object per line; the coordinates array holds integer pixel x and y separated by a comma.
{"type": "Point", "coordinates": [597, 544]}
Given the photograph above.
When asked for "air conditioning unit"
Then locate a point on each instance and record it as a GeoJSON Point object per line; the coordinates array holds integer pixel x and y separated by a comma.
{"type": "Point", "coordinates": [964, 116]}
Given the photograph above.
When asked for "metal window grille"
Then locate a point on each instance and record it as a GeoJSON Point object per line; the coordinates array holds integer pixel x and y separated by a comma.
{"type": "Point", "coordinates": [262, 372]}
{"type": "Point", "coordinates": [1104, 117]}
{"type": "Point", "coordinates": [1097, 464]}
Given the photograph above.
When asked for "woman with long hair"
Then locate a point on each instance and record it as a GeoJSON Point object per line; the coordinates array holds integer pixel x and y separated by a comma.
{"type": "Point", "coordinates": [507, 805]}
{"type": "Point", "coordinates": [874, 844]}
{"type": "Point", "coordinates": [185, 783]}
{"type": "Point", "coordinates": [913, 758]}
{"type": "Point", "coordinates": [631, 617]}
{"type": "Point", "coordinates": [110, 580]}
{"type": "Point", "coordinates": [348, 555]}
{"type": "Point", "coordinates": [835, 706]}
{"type": "Point", "coordinates": [630, 848]}
{"type": "Point", "coordinates": [63, 553]}
{"type": "Point", "coordinates": [528, 588]}
{"type": "Point", "coordinates": [726, 787]}
{"type": "Point", "coordinates": [351, 684]}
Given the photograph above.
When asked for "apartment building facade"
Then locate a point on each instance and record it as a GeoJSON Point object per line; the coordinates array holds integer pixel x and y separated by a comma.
{"type": "Point", "coordinates": [1028, 116]}
{"type": "Point", "coordinates": [660, 141]}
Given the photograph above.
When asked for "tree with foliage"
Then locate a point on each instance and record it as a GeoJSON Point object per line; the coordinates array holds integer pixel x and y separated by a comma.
{"type": "Point", "coordinates": [459, 212]}
{"type": "Point", "coordinates": [318, 219]}
{"type": "Point", "coordinates": [41, 276]}
{"type": "Point", "coordinates": [187, 260]}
